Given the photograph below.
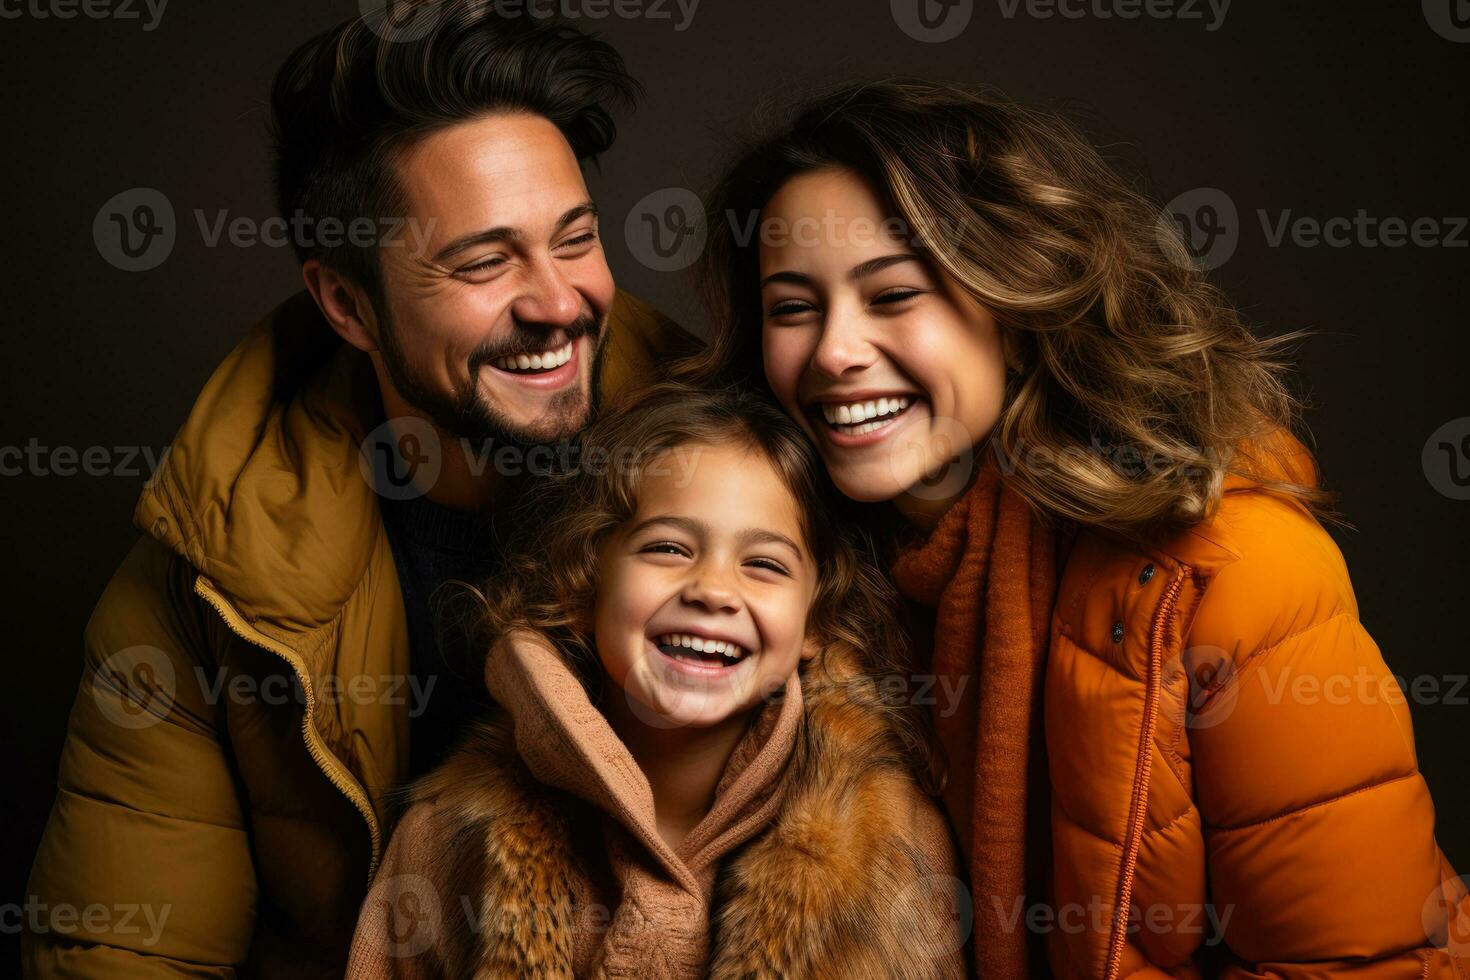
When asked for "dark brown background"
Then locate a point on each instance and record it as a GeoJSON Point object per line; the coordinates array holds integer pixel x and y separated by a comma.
{"type": "Point", "coordinates": [1324, 110]}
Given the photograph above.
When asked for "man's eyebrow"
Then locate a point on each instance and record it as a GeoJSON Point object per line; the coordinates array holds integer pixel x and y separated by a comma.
{"type": "Point", "coordinates": [580, 211]}
{"type": "Point", "coordinates": [697, 527]}
{"type": "Point", "coordinates": [505, 233]}
{"type": "Point", "coordinates": [860, 271]}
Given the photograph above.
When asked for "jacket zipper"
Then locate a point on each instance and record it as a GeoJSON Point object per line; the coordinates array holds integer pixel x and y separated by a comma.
{"type": "Point", "coordinates": [1137, 808]}
{"type": "Point", "coordinates": [330, 766]}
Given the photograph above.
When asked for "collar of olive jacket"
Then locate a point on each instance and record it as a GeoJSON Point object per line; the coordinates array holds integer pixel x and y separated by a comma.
{"type": "Point", "coordinates": [265, 491]}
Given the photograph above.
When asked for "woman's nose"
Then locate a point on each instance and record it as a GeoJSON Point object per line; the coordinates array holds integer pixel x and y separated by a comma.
{"type": "Point", "coordinates": [843, 346]}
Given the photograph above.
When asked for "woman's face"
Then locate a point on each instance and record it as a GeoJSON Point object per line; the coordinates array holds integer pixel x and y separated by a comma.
{"type": "Point", "coordinates": [891, 368]}
{"type": "Point", "coordinates": [703, 593]}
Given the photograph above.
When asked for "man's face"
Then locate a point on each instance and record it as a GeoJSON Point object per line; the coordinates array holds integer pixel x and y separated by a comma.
{"type": "Point", "coordinates": [496, 302]}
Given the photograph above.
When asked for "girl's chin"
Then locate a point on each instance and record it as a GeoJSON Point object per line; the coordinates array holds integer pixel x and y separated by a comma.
{"type": "Point", "coordinates": [682, 710]}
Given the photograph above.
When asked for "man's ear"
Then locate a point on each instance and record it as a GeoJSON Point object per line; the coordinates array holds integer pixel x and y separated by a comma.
{"type": "Point", "coordinates": [343, 303]}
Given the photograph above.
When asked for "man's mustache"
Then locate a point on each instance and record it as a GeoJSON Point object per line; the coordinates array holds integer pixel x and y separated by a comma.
{"type": "Point", "coordinates": [529, 339]}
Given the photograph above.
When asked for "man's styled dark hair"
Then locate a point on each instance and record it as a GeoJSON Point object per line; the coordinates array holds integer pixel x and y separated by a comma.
{"type": "Point", "coordinates": [347, 101]}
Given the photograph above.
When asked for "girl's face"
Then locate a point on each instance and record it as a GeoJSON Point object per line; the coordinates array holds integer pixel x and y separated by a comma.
{"type": "Point", "coordinates": [891, 368]}
{"type": "Point", "coordinates": [703, 594]}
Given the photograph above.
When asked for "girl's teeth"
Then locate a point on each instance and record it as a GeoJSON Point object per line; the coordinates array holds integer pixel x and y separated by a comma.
{"type": "Point", "coordinates": [697, 644]}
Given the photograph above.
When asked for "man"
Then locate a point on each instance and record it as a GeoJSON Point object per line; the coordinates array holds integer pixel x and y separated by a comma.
{"type": "Point", "coordinates": [263, 668]}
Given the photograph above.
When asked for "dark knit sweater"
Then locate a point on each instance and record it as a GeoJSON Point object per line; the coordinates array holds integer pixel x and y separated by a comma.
{"type": "Point", "coordinates": [432, 545]}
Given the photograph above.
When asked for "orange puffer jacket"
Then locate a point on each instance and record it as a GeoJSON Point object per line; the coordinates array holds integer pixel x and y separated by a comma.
{"type": "Point", "coordinates": [1221, 729]}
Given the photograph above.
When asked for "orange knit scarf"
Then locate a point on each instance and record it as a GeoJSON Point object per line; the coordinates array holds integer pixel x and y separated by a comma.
{"type": "Point", "coordinates": [989, 571]}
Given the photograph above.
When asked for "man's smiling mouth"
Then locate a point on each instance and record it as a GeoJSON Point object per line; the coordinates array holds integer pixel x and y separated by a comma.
{"type": "Point", "coordinates": [536, 363]}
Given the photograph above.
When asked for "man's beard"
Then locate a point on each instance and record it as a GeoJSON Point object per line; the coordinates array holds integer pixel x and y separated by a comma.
{"type": "Point", "coordinates": [466, 415]}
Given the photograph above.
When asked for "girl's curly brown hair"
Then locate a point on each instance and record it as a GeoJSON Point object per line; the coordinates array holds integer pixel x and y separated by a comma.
{"type": "Point", "coordinates": [1138, 383]}
{"type": "Point", "coordinates": [548, 582]}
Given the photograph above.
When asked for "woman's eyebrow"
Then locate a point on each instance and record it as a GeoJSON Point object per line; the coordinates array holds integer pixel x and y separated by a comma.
{"type": "Point", "coordinates": [864, 269]}
{"type": "Point", "coordinates": [787, 275]}
{"type": "Point", "coordinates": [860, 271]}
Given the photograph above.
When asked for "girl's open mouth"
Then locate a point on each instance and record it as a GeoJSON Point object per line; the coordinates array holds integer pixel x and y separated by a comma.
{"type": "Point", "coordinates": [699, 655]}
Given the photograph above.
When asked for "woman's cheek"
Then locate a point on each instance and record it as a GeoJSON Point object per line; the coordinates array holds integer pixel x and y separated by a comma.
{"type": "Point", "coordinates": [784, 355]}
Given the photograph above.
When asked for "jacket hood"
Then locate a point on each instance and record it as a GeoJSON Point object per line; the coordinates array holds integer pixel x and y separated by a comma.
{"type": "Point", "coordinates": [262, 481]}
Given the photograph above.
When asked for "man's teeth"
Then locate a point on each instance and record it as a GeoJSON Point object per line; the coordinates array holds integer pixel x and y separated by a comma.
{"type": "Point", "coordinates": [536, 362]}
{"type": "Point", "coordinates": [861, 414]}
{"type": "Point", "coordinates": [731, 652]}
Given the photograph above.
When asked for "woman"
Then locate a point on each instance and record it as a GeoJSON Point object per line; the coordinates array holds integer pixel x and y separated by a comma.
{"type": "Point", "coordinates": [976, 321]}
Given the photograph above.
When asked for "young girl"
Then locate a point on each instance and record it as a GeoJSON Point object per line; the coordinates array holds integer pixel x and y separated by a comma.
{"type": "Point", "coordinates": [697, 775]}
{"type": "Point", "coordinates": [1179, 752]}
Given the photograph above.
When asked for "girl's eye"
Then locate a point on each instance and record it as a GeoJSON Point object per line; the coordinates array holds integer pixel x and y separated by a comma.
{"type": "Point", "coordinates": [897, 295]}
{"type": "Point", "coordinates": [770, 564]}
{"type": "Point", "coordinates": [664, 548]}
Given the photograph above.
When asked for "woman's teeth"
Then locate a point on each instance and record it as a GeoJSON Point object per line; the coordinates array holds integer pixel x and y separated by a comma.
{"type": "Point", "coordinates": [683, 646]}
{"type": "Point", "coordinates": [855, 418]}
{"type": "Point", "coordinates": [536, 362]}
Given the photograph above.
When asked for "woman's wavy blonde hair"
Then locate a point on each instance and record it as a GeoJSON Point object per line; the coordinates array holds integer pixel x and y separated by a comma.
{"type": "Point", "coordinates": [1138, 384]}
{"type": "Point", "coordinates": [548, 582]}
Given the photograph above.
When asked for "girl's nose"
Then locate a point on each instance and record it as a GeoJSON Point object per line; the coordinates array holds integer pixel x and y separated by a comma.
{"type": "Point", "coordinates": [711, 589]}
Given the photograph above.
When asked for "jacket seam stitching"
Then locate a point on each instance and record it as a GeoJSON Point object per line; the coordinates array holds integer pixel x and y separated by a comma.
{"type": "Point", "coordinates": [1318, 804]}
{"type": "Point", "coordinates": [99, 801]}
{"type": "Point", "coordinates": [1267, 651]}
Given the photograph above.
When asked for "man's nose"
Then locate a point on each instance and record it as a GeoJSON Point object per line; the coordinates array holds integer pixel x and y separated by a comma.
{"type": "Point", "coordinates": [548, 299]}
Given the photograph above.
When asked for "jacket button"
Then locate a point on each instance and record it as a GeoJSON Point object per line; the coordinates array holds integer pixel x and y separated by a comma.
{"type": "Point", "coordinates": [1117, 632]}
{"type": "Point", "coordinates": [1146, 574]}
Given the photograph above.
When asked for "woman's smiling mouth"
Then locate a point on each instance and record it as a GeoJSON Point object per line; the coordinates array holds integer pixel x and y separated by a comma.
{"type": "Point", "coordinates": [860, 421]}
